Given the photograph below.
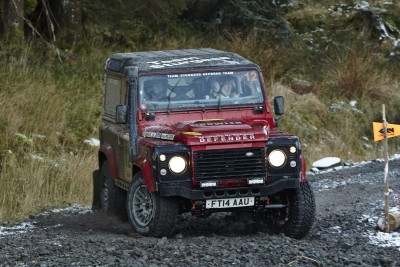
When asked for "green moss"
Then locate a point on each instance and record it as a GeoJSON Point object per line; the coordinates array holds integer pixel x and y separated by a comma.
{"type": "Point", "coordinates": [29, 6]}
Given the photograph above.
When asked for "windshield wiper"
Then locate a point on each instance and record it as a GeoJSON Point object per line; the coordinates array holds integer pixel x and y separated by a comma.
{"type": "Point", "coordinates": [219, 94]}
{"type": "Point", "coordinates": [170, 93]}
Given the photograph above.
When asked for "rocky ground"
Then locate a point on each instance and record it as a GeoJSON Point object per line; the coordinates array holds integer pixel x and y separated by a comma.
{"type": "Point", "coordinates": [349, 202]}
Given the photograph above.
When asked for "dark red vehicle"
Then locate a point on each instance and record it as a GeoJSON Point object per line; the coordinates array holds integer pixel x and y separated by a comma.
{"type": "Point", "coordinates": [192, 131]}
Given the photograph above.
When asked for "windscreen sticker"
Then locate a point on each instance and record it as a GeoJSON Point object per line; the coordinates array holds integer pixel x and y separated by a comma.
{"type": "Point", "coordinates": [183, 75]}
{"type": "Point", "coordinates": [164, 136]}
{"type": "Point", "coordinates": [159, 64]}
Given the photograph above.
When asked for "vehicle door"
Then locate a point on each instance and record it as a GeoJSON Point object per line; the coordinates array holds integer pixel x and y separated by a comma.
{"type": "Point", "coordinates": [116, 135]}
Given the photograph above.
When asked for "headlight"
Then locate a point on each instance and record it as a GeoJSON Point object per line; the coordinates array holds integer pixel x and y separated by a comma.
{"type": "Point", "coordinates": [277, 158]}
{"type": "Point", "coordinates": [177, 164]}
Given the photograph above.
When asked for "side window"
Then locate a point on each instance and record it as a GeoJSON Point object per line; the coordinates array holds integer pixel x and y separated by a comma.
{"type": "Point", "coordinates": [114, 95]}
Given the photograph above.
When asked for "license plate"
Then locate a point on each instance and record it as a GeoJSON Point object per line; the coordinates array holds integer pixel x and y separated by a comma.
{"type": "Point", "coordinates": [229, 203]}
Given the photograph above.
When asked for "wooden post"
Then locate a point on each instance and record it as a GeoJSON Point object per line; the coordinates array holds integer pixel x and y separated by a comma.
{"type": "Point", "coordinates": [386, 173]}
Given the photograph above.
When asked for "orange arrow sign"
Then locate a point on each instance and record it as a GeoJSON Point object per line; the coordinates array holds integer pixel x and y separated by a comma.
{"type": "Point", "coordinates": [392, 130]}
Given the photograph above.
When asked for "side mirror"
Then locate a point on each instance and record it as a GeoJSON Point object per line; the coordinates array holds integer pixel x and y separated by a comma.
{"type": "Point", "coordinates": [121, 116]}
{"type": "Point", "coordinates": [279, 105]}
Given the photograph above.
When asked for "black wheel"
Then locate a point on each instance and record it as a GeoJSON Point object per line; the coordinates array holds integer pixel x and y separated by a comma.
{"type": "Point", "coordinates": [149, 213]}
{"type": "Point", "coordinates": [297, 218]}
{"type": "Point", "coordinates": [112, 198]}
{"type": "Point", "coordinates": [96, 204]}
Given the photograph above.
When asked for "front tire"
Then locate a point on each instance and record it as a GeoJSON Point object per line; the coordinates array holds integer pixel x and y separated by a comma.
{"type": "Point", "coordinates": [149, 213]}
{"type": "Point", "coordinates": [297, 218]}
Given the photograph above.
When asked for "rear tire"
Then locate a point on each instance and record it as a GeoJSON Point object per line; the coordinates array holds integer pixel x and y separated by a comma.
{"type": "Point", "coordinates": [297, 218]}
{"type": "Point", "coordinates": [112, 198]}
{"type": "Point", "coordinates": [149, 213]}
{"type": "Point", "coordinates": [96, 203]}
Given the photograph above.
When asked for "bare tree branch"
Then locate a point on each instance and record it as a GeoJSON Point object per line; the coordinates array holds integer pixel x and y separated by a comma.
{"type": "Point", "coordinates": [52, 45]}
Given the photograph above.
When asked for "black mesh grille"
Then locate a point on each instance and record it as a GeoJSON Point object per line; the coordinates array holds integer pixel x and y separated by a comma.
{"type": "Point", "coordinates": [229, 164]}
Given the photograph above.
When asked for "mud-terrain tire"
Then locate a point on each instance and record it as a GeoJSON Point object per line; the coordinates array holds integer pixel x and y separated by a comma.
{"type": "Point", "coordinates": [149, 213]}
{"type": "Point", "coordinates": [112, 198]}
{"type": "Point", "coordinates": [96, 201]}
{"type": "Point", "coordinates": [297, 218]}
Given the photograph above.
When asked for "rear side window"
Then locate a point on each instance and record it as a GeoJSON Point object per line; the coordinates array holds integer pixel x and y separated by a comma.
{"type": "Point", "coordinates": [114, 95]}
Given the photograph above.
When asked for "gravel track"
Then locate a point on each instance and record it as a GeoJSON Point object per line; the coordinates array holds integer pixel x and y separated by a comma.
{"type": "Point", "coordinates": [349, 202]}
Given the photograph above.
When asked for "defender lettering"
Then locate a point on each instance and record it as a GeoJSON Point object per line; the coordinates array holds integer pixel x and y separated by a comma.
{"type": "Point", "coordinates": [223, 138]}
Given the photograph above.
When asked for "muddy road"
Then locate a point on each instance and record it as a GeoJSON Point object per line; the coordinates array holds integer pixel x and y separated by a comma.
{"type": "Point", "coordinates": [349, 202]}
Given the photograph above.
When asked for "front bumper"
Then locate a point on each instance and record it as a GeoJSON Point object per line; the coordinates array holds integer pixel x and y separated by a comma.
{"type": "Point", "coordinates": [185, 190]}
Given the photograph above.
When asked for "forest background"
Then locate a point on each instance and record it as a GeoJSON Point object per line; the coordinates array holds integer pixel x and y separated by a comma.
{"type": "Point", "coordinates": [335, 63]}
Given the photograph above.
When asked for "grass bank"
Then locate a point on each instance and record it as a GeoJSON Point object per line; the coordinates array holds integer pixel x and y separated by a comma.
{"type": "Point", "coordinates": [50, 104]}
{"type": "Point", "coordinates": [47, 110]}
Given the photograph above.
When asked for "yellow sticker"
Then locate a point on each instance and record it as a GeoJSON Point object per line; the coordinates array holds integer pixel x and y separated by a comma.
{"type": "Point", "coordinates": [191, 133]}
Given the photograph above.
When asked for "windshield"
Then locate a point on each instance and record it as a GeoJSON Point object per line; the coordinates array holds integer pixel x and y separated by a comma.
{"type": "Point", "coordinates": [200, 90]}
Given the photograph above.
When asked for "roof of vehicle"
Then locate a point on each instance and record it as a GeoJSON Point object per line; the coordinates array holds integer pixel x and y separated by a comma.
{"type": "Point", "coordinates": [176, 59]}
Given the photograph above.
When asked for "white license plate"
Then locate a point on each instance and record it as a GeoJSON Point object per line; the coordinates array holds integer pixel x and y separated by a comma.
{"type": "Point", "coordinates": [229, 202]}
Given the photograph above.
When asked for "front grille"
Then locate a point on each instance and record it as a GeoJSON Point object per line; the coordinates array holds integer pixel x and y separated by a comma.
{"type": "Point", "coordinates": [241, 163]}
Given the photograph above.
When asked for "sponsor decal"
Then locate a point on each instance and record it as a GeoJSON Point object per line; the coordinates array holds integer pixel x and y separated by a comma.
{"type": "Point", "coordinates": [164, 136]}
{"type": "Point", "coordinates": [226, 138]}
{"type": "Point", "coordinates": [183, 75]}
{"type": "Point", "coordinates": [159, 64]}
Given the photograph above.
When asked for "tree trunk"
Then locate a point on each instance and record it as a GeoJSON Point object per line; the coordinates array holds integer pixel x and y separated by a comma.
{"type": "Point", "coordinates": [58, 20]}
{"type": "Point", "coordinates": [67, 19]}
{"type": "Point", "coordinates": [11, 20]}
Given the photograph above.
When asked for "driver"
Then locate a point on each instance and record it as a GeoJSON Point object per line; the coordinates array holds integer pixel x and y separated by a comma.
{"type": "Point", "coordinates": [225, 88]}
{"type": "Point", "coordinates": [157, 90]}
{"type": "Point", "coordinates": [228, 88]}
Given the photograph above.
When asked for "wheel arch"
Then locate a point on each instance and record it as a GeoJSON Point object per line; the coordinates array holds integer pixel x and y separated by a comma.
{"type": "Point", "coordinates": [106, 153]}
{"type": "Point", "coordinates": [144, 166]}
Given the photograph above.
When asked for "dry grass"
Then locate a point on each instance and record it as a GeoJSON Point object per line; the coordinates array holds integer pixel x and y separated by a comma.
{"type": "Point", "coordinates": [55, 108]}
{"type": "Point", "coordinates": [345, 132]}
{"type": "Point", "coordinates": [31, 183]}
{"type": "Point", "coordinates": [354, 74]}
{"type": "Point", "coordinates": [63, 103]}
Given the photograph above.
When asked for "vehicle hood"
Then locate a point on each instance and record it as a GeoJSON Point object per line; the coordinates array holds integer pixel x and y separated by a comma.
{"type": "Point", "coordinates": [206, 132]}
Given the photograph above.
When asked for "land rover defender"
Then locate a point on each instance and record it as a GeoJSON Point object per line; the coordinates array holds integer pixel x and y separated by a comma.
{"type": "Point", "coordinates": [193, 131]}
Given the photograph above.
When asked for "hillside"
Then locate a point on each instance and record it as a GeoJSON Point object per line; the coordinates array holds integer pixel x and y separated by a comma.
{"type": "Point", "coordinates": [335, 64]}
